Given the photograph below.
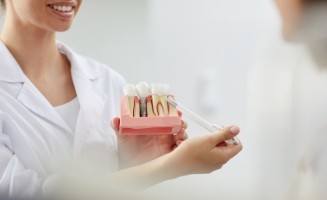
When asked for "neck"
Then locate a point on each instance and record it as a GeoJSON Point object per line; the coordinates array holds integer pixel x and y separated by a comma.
{"type": "Point", "coordinates": [34, 49]}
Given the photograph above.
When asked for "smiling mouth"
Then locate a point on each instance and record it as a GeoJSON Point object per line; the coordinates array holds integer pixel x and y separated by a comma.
{"type": "Point", "coordinates": [62, 9]}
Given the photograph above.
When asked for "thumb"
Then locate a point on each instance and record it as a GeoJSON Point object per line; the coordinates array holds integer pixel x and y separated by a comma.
{"type": "Point", "coordinates": [224, 134]}
{"type": "Point", "coordinates": [115, 123]}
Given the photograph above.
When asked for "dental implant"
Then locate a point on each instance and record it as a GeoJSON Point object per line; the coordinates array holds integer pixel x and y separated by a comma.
{"type": "Point", "coordinates": [143, 91]}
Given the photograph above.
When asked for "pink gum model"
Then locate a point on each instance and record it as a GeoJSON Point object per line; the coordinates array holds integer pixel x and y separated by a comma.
{"type": "Point", "coordinates": [163, 125]}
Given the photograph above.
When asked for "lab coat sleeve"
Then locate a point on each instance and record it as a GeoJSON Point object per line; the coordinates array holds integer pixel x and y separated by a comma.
{"type": "Point", "coordinates": [15, 180]}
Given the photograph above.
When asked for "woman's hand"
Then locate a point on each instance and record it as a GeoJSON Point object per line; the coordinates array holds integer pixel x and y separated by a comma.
{"type": "Point", "coordinates": [194, 156]}
{"type": "Point", "coordinates": [203, 154]}
{"type": "Point", "coordinates": [135, 150]}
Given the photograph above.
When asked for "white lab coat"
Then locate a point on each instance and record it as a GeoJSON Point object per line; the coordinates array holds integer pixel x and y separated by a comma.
{"type": "Point", "coordinates": [35, 143]}
{"type": "Point", "coordinates": [287, 119]}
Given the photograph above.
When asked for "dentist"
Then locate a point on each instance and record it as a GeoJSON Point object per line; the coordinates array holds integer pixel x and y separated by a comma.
{"type": "Point", "coordinates": [56, 107]}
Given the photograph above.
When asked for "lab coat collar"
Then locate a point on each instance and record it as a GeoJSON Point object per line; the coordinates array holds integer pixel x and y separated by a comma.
{"type": "Point", "coordinates": [9, 68]}
{"type": "Point", "coordinates": [78, 63]}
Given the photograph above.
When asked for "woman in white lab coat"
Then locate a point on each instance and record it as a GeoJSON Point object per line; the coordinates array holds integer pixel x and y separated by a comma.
{"type": "Point", "coordinates": [56, 107]}
{"type": "Point", "coordinates": [288, 112]}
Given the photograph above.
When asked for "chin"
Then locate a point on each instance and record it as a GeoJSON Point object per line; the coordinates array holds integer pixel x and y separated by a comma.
{"type": "Point", "coordinates": [60, 28]}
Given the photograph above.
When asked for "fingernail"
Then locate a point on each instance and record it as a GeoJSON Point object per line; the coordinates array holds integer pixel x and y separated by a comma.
{"type": "Point", "coordinates": [234, 130]}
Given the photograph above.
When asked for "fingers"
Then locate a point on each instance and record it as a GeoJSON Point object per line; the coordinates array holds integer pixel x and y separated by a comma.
{"type": "Point", "coordinates": [223, 135]}
{"type": "Point", "coordinates": [115, 123]}
{"type": "Point", "coordinates": [181, 136]}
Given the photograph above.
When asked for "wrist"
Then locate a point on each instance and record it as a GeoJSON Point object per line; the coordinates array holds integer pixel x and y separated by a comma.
{"type": "Point", "coordinates": [172, 165]}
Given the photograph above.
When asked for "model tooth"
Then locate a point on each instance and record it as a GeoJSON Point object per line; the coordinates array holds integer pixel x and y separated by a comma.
{"type": "Point", "coordinates": [163, 98]}
{"type": "Point", "coordinates": [130, 92]}
{"type": "Point", "coordinates": [143, 89]}
{"type": "Point", "coordinates": [171, 110]}
{"type": "Point", "coordinates": [155, 99]}
{"type": "Point", "coordinates": [160, 104]}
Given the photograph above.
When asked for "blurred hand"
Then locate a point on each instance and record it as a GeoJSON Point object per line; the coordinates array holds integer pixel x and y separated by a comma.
{"type": "Point", "coordinates": [203, 154]}
{"type": "Point", "coordinates": [135, 150]}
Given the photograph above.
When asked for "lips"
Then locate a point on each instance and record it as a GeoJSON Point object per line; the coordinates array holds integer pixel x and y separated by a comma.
{"type": "Point", "coordinates": [65, 10]}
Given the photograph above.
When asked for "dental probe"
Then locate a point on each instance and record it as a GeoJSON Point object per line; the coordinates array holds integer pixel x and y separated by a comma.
{"type": "Point", "coordinates": [200, 120]}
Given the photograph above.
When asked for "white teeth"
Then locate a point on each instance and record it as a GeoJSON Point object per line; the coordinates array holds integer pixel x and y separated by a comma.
{"type": "Point", "coordinates": [156, 89]}
{"type": "Point", "coordinates": [160, 89]}
{"type": "Point", "coordinates": [143, 89]}
{"type": "Point", "coordinates": [62, 8]}
{"type": "Point", "coordinates": [133, 102]}
{"type": "Point", "coordinates": [130, 90]}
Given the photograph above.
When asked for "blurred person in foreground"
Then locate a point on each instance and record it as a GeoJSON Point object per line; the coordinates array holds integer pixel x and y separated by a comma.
{"type": "Point", "coordinates": [287, 106]}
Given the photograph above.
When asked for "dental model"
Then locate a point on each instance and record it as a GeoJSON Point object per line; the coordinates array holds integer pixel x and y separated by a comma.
{"type": "Point", "coordinates": [153, 110]}
{"type": "Point", "coordinates": [145, 111]}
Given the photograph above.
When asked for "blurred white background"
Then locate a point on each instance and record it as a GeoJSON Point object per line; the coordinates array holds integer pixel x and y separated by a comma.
{"type": "Point", "coordinates": [202, 48]}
